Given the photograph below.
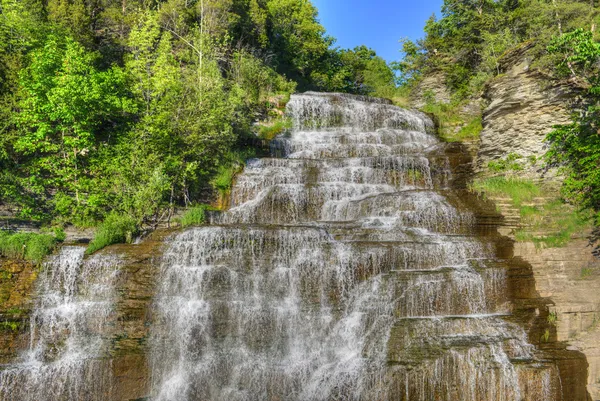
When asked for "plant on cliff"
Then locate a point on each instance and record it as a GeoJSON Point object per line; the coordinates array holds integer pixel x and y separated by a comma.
{"type": "Point", "coordinates": [32, 247]}
{"type": "Point", "coordinates": [115, 229]}
{"type": "Point", "coordinates": [575, 147]}
{"type": "Point", "coordinates": [469, 40]}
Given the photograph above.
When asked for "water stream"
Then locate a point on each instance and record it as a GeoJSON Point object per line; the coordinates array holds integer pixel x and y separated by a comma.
{"type": "Point", "coordinates": [346, 269]}
{"type": "Point", "coordinates": [66, 357]}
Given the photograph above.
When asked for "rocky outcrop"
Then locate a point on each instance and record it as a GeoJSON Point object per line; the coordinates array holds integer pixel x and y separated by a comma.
{"type": "Point", "coordinates": [523, 104]}
{"type": "Point", "coordinates": [431, 87]}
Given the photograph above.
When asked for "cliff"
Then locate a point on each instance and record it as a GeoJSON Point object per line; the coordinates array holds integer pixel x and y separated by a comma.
{"type": "Point", "coordinates": [520, 107]}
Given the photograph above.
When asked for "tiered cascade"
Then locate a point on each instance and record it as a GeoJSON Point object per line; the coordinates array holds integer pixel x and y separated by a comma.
{"type": "Point", "coordinates": [346, 269]}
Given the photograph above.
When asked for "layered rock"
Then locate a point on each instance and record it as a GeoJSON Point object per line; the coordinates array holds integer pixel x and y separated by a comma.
{"type": "Point", "coordinates": [569, 278]}
{"type": "Point", "coordinates": [432, 87]}
{"type": "Point", "coordinates": [523, 104]}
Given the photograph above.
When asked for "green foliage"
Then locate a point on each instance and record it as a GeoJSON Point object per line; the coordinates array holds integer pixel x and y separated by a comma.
{"type": "Point", "coordinates": [546, 222]}
{"type": "Point", "coordinates": [232, 164]}
{"type": "Point", "coordinates": [28, 246]}
{"type": "Point", "coordinates": [194, 216]}
{"type": "Point", "coordinates": [270, 130]}
{"type": "Point", "coordinates": [137, 107]}
{"type": "Point", "coordinates": [470, 131]}
{"type": "Point", "coordinates": [470, 39]}
{"type": "Point", "coordinates": [509, 163]}
{"type": "Point", "coordinates": [453, 126]}
{"type": "Point", "coordinates": [358, 71]}
{"type": "Point", "coordinates": [9, 326]}
{"type": "Point", "coordinates": [551, 224]}
{"type": "Point", "coordinates": [115, 229]}
{"type": "Point", "coordinates": [576, 146]}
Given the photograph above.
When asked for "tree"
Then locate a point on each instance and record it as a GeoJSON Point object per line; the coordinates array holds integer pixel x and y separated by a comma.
{"type": "Point", "coordinates": [66, 103]}
{"type": "Point", "coordinates": [576, 146]}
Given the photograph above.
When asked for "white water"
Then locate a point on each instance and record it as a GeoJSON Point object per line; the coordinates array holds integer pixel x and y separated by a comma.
{"type": "Point", "coordinates": [72, 313]}
{"type": "Point", "coordinates": [341, 273]}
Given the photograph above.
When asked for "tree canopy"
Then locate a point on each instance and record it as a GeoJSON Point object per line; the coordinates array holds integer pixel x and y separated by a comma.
{"type": "Point", "coordinates": [133, 106]}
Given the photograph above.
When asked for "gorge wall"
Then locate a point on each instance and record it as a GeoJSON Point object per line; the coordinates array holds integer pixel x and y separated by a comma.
{"type": "Point", "coordinates": [520, 107]}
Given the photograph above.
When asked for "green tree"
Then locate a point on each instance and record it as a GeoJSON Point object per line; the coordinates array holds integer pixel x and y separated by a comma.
{"type": "Point", "coordinates": [576, 146]}
{"type": "Point", "coordinates": [65, 105]}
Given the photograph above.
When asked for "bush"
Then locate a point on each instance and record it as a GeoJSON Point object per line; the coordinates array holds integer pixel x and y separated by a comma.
{"type": "Point", "coordinates": [549, 222]}
{"type": "Point", "coordinates": [116, 229]}
{"type": "Point", "coordinates": [233, 164]}
{"type": "Point", "coordinates": [28, 246]}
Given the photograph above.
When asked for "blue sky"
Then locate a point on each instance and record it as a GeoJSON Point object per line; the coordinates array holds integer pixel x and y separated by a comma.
{"type": "Point", "coordinates": [379, 24]}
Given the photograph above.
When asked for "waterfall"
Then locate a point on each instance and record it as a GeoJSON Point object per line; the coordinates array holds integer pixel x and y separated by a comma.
{"type": "Point", "coordinates": [73, 308]}
{"type": "Point", "coordinates": [346, 269]}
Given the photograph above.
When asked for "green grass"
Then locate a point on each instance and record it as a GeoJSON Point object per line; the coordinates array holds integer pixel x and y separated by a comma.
{"type": "Point", "coordinates": [510, 163]}
{"type": "Point", "coordinates": [32, 247]}
{"type": "Point", "coordinates": [115, 229]}
{"type": "Point", "coordinates": [517, 189]}
{"type": "Point", "coordinates": [449, 118]}
{"type": "Point", "coordinates": [195, 216]}
{"type": "Point", "coordinates": [586, 272]}
{"type": "Point", "coordinates": [550, 224]}
{"type": "Point", "coordinates": [9, 326]}
{"type": "Point", "coordinates": [471, 130]}
{"type": "Point", "coordinates": [557, 222]}
{"type": "Point", "coordinates": [269, 131]}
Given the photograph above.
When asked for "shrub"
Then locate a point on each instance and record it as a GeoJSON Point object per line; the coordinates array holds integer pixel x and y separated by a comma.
{"type": "Point", "coordinates": [116, 229]}
{"type": "Point", "coordinates": [269, 132]}
{"type": "Point", "coordinates": [233, 164]}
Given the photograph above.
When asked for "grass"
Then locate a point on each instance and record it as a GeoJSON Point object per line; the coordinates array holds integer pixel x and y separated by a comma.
{"type": "Point", "coordinates": [32, 247]}
{"type": "Point", "coordinates": [195, 216]}
{"type": "Point", "coordinates": [510, 163]}
{"type": "Point", "coordinates": [550, 224]}
{"type": "Point", "coordinates": [9, 326]}
{"type": "Point", "coordinates": [469, 131]}
{"type": "Point", "coordinates": [587, 272]}
{"type": "Point", "coordinates": [517, 189]}
{"type": "Point", "coordinates": [269, 131]}
{"type": "Point", "coordinates": [556, 221]}
{"type": "Point", "coordinates": [453, 125]}
{"type": "Point", "coordinates": [115, 229]}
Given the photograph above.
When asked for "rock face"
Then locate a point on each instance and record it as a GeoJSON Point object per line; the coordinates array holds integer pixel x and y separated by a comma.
{"type": "Point", "coordinates": [568, 278]}
{"type": "Point", "coordinates": [432, 85]}
{"type": "Point", "coordinates": [16, 286]}
{"type": "Point", "coordinates": [523, 105]}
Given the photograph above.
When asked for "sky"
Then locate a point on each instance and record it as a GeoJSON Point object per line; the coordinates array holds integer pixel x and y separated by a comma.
{"type": "Point", "coordinates": [379, 24]}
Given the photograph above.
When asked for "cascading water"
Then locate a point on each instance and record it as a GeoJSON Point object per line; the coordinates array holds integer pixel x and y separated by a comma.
{"type": "Point", "coordinates": [343, 271]}
{"type": "Point", "coordinates": [65, 359]}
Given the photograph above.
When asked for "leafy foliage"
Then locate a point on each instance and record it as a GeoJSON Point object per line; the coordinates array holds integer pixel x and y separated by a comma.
{"type": "Point", "coordinates": [469, 40]}
{"type": "Point", "coordinates": [576, 146]}
{"type": "Point", "coordinates": [28, 246]}
{"type": "Point", "coordinates": [132, 109]}
{"type": "Point", "coordinates": [194, 216]}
